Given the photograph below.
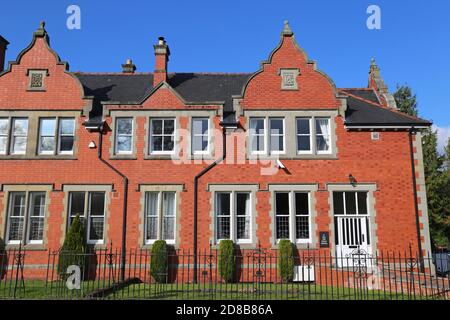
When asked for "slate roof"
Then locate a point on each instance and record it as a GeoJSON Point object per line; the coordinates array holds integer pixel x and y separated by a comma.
{"type": "Point", "coordinates": [363, 107]}
{"type": "Point", "coordinates": [361, 113]}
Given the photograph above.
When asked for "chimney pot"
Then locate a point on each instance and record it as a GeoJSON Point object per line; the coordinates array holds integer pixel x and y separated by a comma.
{"type": "Point", "coordinates": [128, 67]}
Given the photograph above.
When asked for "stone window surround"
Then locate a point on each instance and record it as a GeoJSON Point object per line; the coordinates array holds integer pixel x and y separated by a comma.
{"type": "Point", "coordinates": [290, 124]}
{"type": "Point", "coordinates": [370, 188]}
{"type": "Point", "coordinates": [44, 73]}
{"type": "Point", "coordinates": [283, 71]}
{"type": "Point", "coordinates": [8, 189]}
{"type": "Point", "coordinates": [178, 189]}
{"type": "Point", "coordinates": [150, 114]}
{"type": "Point", "coordinates": [292, 188]}
{"type": "Point", "coordinates": [33, 117]}
{"type": "Point", "coordinates": [250, 188]}
{"type": "Point", "coordinates": [67, 188]}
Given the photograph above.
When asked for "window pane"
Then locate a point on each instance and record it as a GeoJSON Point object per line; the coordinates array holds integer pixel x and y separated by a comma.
{"type": "Point", "coordinates": [3, 142]}
{"type": "Point", "coordinates": [156, 126]}
{"type": "Point", "coordinates": [168, 232]}
{"type": "Point", "coordinates": [223, 228]}
{"type": "Point", "coordinates": [282, 203]}
{"type": "Point", "coordinates": [96, 228]}
{"type": "Point", "coordinates": [152, 215]}
{"type": "Point", "coordinates": [301, 204]}
{"type": "Point", "coordinates": [152, 227]}
{"type": "Point", "coordinates": [125, 126]}
{"type": "Point", "coordinates": [47, 144]}
{"type": "Point", "coordinates": [338, 202]}
{"type": "Point", "coordinates": [362, 202]}
{"type": "Point", "coordinates": [258, 143]}
{"type": "Point", "coordinates": [123, 143]}
{"type": "Point", "coordinates": [223, 204]}
{"type": "Point", "coordinates": [168, 143]}
{"type": "Point", "coordinates": [303, 126]}
{"type": "Point", "coordinates": [3, 126]}
{"type": "Point", "coordinates": [304, 143]}
{"type": "Point", "coordinates": [322, 126]}
{"type": "Point", "coordinates": [16, 216]}
{"type": "Point", "coordinates": [20, 145]}
{"type": "Point", "coordinates": [97, 204]}
{"type": "Point", "coordinates": [276, 126]}
{"type": "Point", "coordinates": [37, 216]}
{"type": "Point", "coordinates": [48, 127]}
{"type": "Point", "coordinates": [77, 204]}
{"type": "Point", "coordinates": [257, 125]}
{"type": "Point", "coordinates": [169, 126]}
{"type": "Point", "coordinates": [20, 126]}
{"type": "Point", "coordinates": [302, 227]}
{"type": "Point", "coordinates": [169, 203]}
{"type": "Point", "coordinates": [283, 227]}
{"type": "Point", "coordinates": [67, 126]}
{"type": "Point", "coordinates": [152, 204]}
{"type": "Point", "coordinates": [66, 143]}
{"type": "Point", "coordinates": [323, 143]}
{"type": "Point", "coordinates": [276, 143]}
{"type": "Point", "coordinates": [350, 202]}
{"type": "Point", "coordinates": [200, 126]}
{"type": "Point", "coordinates": [243, 215]}
{"type": "Point", "coordinates": [157, 143]}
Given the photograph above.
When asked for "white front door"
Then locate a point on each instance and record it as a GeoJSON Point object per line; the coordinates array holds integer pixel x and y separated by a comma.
{"type": "Point", "coordinates": [352, 227]}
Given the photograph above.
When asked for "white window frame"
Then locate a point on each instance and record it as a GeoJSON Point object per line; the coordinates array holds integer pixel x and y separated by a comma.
{"type": "Point", "coordinates": [201, 135]}
{"type": "Point", "coordinates": [329, 151]}
{"type": "Point", "coordinates": [14, 136]}
{"type": "Point", "coordinates": [159, 217]}
{"type": "Point", "coordinates": [293, 216]}
{"type": "Point", "coordinates": [311, 134]}
{"type": "Point", "coordinates": [163, 152]}
{"type": "Point", "coordinates": [87, 214]}
{"type": "Point", "coordinates": [5, 135]}
{"type": "Point", "coordinates": [26, 217]}
{"type": "Point", "coordinates": [253, 135]}
{"type": "Point", "coordinates": [270, 135]}
{"type": "Point", "coordinates": [233, 216]}
{"type": "Point", "coordinates": [60, 135]}
{"type": "Point", "coordinates": [117, 135]}
{"type": "Point", "coordinates": [45, 136]}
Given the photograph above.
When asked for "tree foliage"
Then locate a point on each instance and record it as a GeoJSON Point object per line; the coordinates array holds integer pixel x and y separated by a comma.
{"type": "Point", "coordinates": [73, 251]}
{"type": "Point", "coordinates": [286, 260]}
{"type": "Point", "coordinates": [227, 260]}
{"type": "Point", "coordinates": [437, 174]}
{"type": "Point", "coordinates": [159, 261]}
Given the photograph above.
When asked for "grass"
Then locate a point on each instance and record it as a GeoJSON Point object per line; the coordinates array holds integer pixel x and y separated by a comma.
{"type": "Point", "coordinates": [36, 289]}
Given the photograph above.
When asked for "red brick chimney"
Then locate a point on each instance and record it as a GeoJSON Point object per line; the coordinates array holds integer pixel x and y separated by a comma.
{"type": "Point", "coordinates": [3, 46]}
{"type": "Point", "coordinates": [162, 54]}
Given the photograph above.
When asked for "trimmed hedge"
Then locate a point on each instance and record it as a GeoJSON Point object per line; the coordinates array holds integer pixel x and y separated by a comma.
{"type": "Point", "coordinates": [286, 260]}
{"type": "Point", "coordinates": [227, 260]}
{"type": "Point", "coordinates": [159, 263]}
{"type": "Point", "coordinates": [73, 251]}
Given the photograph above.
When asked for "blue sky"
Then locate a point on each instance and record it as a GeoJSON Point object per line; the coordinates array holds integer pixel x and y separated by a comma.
{"type": "Point", "coordinates": [412, 46]}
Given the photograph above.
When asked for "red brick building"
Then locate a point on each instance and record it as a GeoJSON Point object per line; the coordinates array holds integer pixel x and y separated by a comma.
{"type": "Point", "coordinates": [194, 158]}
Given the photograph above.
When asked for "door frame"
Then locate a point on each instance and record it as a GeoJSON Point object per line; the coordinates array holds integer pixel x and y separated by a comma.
{"type": "Point", "coordinates": [370, 188]}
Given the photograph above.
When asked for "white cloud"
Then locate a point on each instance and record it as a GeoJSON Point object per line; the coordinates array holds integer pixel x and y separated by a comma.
{"type": "Point", "coordinates": [443, 136]}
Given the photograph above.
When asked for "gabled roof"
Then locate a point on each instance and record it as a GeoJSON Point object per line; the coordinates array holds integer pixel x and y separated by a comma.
{"type": "Point", "coordinates": [199, 88]}
{"type": "Point", "coordinates": [363, 105]}
{"type": "Point", "coordinates": [360, 113]}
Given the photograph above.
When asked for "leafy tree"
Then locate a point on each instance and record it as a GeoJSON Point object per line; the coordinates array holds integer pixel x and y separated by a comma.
{"type": "Point", "coordinates": [406, 100]}
{"type": "Point", "coordinates": [73, 251]}
{"type": "Point", "coordinates": [437, 175]}
{"type": "Point", "coordinates": [227, 260]}
{"type": "Point", "coordinates": [286, 260]}
{"type": "Point", "coordinates": [159, 261]}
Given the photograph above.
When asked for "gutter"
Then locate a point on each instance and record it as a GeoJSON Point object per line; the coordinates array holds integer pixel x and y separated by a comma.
{"type": "Point", "coordinates": [125, 203]}
{"type": "Point", "coordinates": [416, 204]}
{"type": "Point", "coordinates": [197, 177]}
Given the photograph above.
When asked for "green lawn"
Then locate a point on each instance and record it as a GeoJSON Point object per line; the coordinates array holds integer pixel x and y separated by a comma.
{"type": "Point", "coordinates": [34, 289]}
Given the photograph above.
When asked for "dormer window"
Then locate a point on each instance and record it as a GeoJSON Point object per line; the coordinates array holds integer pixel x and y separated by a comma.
{"type": "Point", "coordinates": [36, 79]}
{"type": "Point", "coordinates": [289, 79]}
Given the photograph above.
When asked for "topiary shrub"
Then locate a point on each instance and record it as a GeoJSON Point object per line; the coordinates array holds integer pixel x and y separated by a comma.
{"type": "Point", "coordinates": [227, 260]}
{"type": "Point", "coordinates": [73, 251]}
{"type": "Point", "coordinates": [158, 262]}
{"type": "Point", "coordinates": [286, 260]}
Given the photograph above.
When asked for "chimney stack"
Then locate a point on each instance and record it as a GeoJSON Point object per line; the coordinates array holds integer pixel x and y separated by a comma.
{"type": "Point", "coordinates": [162, 54]}
{"type": "Point", "coordinates": [128, 67]}
{"type": "Point", "coordinates": [3, 46]}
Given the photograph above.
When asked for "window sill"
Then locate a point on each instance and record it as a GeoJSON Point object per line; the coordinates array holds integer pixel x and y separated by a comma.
{"type": "Point", "coordinates": [36, 90]}
{"type": "Point", "coordinates": [297, 157]}
{"type": "Point", "coordinates": [27, 247]}
{"type": "Point", "coordinates": [37, 157]}
{"type": "Point", "coordinates": [123, 157]}
{"type": "Point", "coordinates": [162, 157]}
